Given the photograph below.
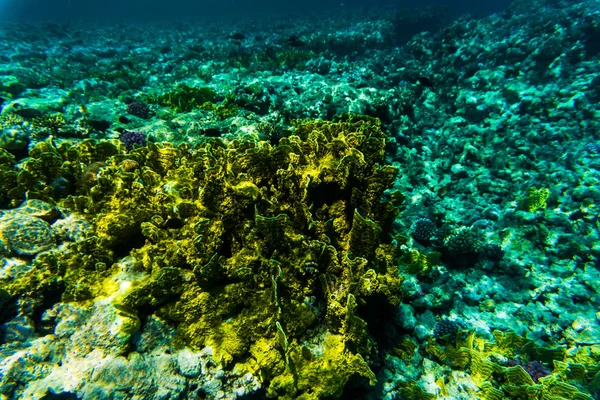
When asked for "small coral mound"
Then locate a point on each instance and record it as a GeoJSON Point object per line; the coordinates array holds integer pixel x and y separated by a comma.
{"type": "Point", "coordinates": [139, 109]}
{"type": "Point", "coordinates": [462, 247]}
{"type": "Point", "coordinates": [423, 230]}
{"type": "Point", "coordinates": [131, 139]}
{"type": "Point", "coordinates": [536, 199]}
{"type": "Point", "coordinates": [445, 327]}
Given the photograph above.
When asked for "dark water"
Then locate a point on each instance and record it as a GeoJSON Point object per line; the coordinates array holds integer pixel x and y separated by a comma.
{"type": "Point", "coordinates": [131, 10]}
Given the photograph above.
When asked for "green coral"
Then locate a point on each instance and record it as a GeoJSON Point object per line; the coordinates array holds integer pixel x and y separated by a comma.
{"type": "Point", "coordinates": [184, 98]}
{"type": "Point", "coordinates": [14, 132]}
{"type": "Point", "coordinates": [49, 166]}
{"type": "Point", "coordinates": [418, 263]}
{"type": "Point", "coordinates": [53, 123]}
{"type": "Point", "coordinates": [11, 119]}
{"type": "Point", "coordinates": [8, 176]}
{"type": "Point", "coordinates": [311, 376]}
{"type": "Point", "coordinates": [226, 109]}
{"type": "Point", "coordinates": [294, 58]}
{"type": "Point", "coordinates": [535, 199]}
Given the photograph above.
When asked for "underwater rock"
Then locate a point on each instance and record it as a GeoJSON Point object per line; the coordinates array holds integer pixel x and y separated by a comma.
{"type": "Point", "coordinates": [26, 235]}
{"type": "Point", "coordinates": [35, 227]}
{"type": "Point", "coordinates": [71, 228]}
{"type": "Point", "coordinates": [12, 135]}
{"type": "Point", "coordinates": [39, 209]}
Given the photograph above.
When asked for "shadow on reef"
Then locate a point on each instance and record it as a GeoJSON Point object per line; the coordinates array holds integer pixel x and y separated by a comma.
{"type": "Point", "coordinates": [61, 396]}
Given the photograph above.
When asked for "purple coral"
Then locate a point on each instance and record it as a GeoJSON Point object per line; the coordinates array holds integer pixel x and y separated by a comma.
{"type": "Point", "coordinates": [133, 138]}
{"type": "Point", "coordinates": [423, 230]}
{"type": "Point", "coordinates": [139, 109]}
{"type": "Point", "coordinates": [535, 369]}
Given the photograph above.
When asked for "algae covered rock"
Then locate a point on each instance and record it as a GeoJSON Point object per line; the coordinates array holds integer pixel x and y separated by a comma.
{"type": "Point", "coordinates": [39, 209]}
{"type": "Point", "coordinates": [25, 235]}
{"type": "Point", "coordinates": [71, 227]}
{"type": "Point", "coordinates": [31, 228]}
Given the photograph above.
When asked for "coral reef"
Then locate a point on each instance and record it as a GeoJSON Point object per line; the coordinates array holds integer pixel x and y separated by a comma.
{"type": "Point", "coordinates": [265, 254]}
{"type": "Point", "coordinates": [197, 210]}
{"type": "Point", "coordinates": [495, 374]}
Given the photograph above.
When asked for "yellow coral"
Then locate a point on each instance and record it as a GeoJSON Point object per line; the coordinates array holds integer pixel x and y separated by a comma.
{"type": "Point", "coordinates": [266, 253]}
{"type": "Point", "coordinates": [493, 377]}
{"type": "Point", "coordinates": [536, 199]}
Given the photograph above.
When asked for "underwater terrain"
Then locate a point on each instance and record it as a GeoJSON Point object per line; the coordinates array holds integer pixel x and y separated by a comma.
{"type": "Point", "coordinates": [378, 205]}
